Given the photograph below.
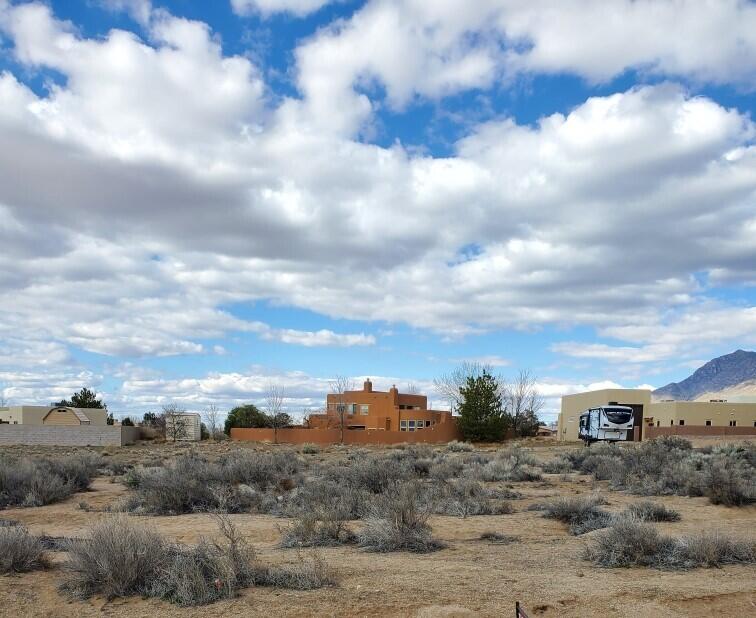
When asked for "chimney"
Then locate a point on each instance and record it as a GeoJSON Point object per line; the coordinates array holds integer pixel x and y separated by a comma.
{"type": "Point", "coordinates": [367, 386]}
{"type": "Point", "coordinates": [394, 394]}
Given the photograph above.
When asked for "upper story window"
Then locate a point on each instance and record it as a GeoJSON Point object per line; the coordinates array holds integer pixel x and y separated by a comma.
{"type": "Point", "coordinates": [364, 409]}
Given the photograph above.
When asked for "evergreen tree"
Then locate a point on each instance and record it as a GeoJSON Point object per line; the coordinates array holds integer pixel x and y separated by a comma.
{"type": "Point", "coordinates": [246, 416]}
{"type": "Point", "coordinates": [83, 399]}
{"type": "Point", "coordinates": [481, 414]}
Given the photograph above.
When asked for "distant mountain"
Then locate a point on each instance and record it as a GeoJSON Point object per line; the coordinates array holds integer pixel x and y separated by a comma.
{"type": "Point", "coordinates": [716, 376]}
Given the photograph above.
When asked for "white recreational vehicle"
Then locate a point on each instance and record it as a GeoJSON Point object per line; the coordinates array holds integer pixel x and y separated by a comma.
{"type": "Point", "coordinates": [610, 423]}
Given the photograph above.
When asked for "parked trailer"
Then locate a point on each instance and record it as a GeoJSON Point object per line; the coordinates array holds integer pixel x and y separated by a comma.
{"type": "Point", "coordinates": [606, 423]}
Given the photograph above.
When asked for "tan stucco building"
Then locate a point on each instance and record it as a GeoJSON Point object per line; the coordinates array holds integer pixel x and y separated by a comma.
{"type": "Point", "coordinates": [701, 413]}
{"type": "Point", "coordinates": [52, 415]}
{"type": "Point", "coordinates": [573, 405]}
{"type": "Point", "coordinates": [657, 414]}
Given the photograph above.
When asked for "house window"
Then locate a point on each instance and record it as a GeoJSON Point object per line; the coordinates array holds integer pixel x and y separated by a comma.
{"type": "Point", "coordinates": [411, 425]}
{"type": "Point", "coordinates": [658, 423]}
{"type": "Point", "coordinates": [733, 423]}
{"type": "Point", "coordinates": [708, 423]}
{"type": "Point", "coordinates": [682, 421]}
{"type": "Point", "coordinates": [364, 409]}
{"type": "Point", "coordinates": [672, 422]}
{"type": "Point", "coordinates": [427, 423]}
{"type": "Point", "coordinates": [402, 425]}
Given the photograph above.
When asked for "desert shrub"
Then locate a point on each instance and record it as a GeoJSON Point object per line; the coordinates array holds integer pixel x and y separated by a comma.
{"type": "Point", "coordinates": [497, 538]}
{"type": "Point", "coordinates": [207, 572]}
{"type": "Point", "coordinates": [119, 558]}
{"type": "Point", "coordinates": [191, 484]}
{"type": "Point", "coordinates": [304, 575]}
{"type": "Point", "coordinates": [669, 466]}
{"type": "Point", "coordinates": [259, 469]}
{"type": "Point", "coordinates": [558, 465]}
{"type": "Point", "coordinates": [590, 521]}
{"type": "Point", "coordinates": [582, 513]}
{"type": "Point", "coordinates": [465, 497]}
{"type": "Point", "coordinates": [372, 474]}
{"type": "Point", "coordinates": [20, 551]}
{"type": "Point", "coordinates": [652, 511]}
{"type": "Point", "coordinates": [398, 521]}
{"type": "Point", "coordinates": [629, 543]}
{"type": "Point", "coordinates": [728, 483]}
{"type": "Point", "coordinates": [321, 530]}
{"type": "Point", "coordinates": [310, 449]}
{"type": "Point", "coordinates": [446, 468]}
{"type": "Point", "coordinates": [455, 446]}
{"type": "Point", "coordinates": [326, 498]}
{"type": "Point", "coordinates": [508, 469]}
{"type": "Point", "coordinates": [36, 482]}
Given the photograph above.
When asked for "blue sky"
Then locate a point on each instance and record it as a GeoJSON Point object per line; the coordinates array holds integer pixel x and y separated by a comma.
{"type": "Point", "coordinates": [200, 199]}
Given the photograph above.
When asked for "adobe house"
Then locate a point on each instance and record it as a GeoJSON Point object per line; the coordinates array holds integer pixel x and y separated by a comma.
{"type": "Point", "coordinates": [381, 410]}
{"type": "Point", "coordinates": [52, 415]}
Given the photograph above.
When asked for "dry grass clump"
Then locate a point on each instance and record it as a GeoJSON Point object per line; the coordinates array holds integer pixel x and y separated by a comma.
{"type": "Point", "coordinates": [303, 575]}
{"type": "Point", "coordinates": [234, 484]}
{"type": "Point", "coordinates": [464, 497]}
{"type": "Point", "coordinates": [19, 551]}
{"type": "Point", "coordinates": [36, 482]}
{"type": "Point", "coordinates": [512, 464]}
{"type": "Point", "coordinates": [310, 449]}
{"type": "Point", "coordinates": [398, 521]}
{"type": "Point", "coordinates": [121, 558]}
{"type": "Point", "coordinates": [628, 543]}
{"type": "Point", "coordinates": [497, 538]}
{"type": "Point", "coordinates": [582, 513]}
{"type": "Point", "coordinates": [455, 446]}
{"type": "Point", "coordinates": [652, 511]}
{"type": "Point", "coordinates": [323, 529]}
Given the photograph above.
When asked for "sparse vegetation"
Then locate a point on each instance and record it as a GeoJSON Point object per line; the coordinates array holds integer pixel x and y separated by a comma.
{"type": "Point", "coordinates": [652, 511]}
{"type": "Point", "coordinates": [668, 465]}
{"type": "Point", "coordinates": [497, 538]}
{"type": "Point", "coordinates": [628, 542]}
{"type": "Point", "coordinates": [582, 513]}
{"type": "Point", "coordinates": [398, 521]}
{"type": "Point", "coordinates": [36, 482]}
{"type": "Point", "coordinates": [121, 558]}
{"type": "Point", "coordinates": [20, 551]}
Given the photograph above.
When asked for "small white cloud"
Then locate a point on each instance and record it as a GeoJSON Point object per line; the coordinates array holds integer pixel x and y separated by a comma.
{"type": "Point", "coordinates": [300, 8]}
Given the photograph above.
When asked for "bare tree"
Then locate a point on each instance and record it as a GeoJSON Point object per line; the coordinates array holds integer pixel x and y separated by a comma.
{"type": "Point", "coordinates": [412, 389]}
{"type": "Point", "coordinates": [212, 416]}
{"type": "Point", "coordinates": [275, 395]}
{"type": "Point", "coordinates": [339, 387]}
{"type": "Point", "coordinates": [3, 400]}
{"type": "Point", "coordinates": [176, 423]}
{"type": "Point", "coordinates": [523, 402]}
{"type": "Point", "coordinates": [450, 384]}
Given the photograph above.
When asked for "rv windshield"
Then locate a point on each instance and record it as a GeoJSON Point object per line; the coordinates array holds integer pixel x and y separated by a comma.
{"type": "Point", "coordinates": [618, 416]}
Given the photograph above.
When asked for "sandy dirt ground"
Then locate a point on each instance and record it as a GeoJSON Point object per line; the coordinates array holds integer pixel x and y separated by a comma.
{"type": "Point", "coordinates": [543, 569]}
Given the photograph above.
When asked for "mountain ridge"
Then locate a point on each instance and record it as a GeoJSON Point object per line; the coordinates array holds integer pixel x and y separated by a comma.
{"type": "Point", "coordinates": [715, 376]}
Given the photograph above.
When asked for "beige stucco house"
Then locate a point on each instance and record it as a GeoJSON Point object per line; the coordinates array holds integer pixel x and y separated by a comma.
{"type": "Point", "coordinates": [52, 415]}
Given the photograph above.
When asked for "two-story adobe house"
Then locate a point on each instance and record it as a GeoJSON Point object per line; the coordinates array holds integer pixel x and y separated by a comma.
{"type": "Point", "coordinates": [384, 410]}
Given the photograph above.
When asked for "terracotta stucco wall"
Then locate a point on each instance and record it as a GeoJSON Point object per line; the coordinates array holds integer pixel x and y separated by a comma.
{"type": "Point", "coordinates": [440, 433]}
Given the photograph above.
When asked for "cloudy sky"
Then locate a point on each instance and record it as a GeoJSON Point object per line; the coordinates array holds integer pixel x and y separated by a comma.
{"type": "Point", "coordinates": [201, 198]}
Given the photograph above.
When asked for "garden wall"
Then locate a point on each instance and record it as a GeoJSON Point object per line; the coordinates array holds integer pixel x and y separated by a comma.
{"type": "Point", "coordinates": [67, 435]}
{"type": "Point", "coordinates": [438, 434]}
